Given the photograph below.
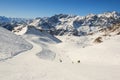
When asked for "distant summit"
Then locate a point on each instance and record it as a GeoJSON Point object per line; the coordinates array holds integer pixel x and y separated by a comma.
{"type": "Point", "coordinates": [63, 24]}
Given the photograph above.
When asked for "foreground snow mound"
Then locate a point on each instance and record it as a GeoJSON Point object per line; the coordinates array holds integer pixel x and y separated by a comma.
{"type": "Point", "coordinates": [11, 44]}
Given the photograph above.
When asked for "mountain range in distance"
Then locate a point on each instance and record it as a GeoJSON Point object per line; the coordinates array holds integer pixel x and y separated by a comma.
{"type": "Point", "coordinates": [63, 24]}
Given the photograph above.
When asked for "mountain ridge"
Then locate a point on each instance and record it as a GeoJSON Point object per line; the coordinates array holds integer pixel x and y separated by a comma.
{"type": "Point", "coordinates": [63, 24]}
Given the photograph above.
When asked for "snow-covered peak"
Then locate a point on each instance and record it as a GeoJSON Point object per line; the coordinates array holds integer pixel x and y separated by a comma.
{"type": "Point", "coordinates": [35, 22]}
{"type": "Point", "coordinates": [10, 20]}
{"type": "Point", "coordinates": [90, 15]}
{"type": "Point", "coordinates": [109, 14]}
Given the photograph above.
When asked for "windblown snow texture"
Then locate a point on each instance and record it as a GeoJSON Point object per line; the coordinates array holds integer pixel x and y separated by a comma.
{"type": "Point", "coordinates": [11, 44]}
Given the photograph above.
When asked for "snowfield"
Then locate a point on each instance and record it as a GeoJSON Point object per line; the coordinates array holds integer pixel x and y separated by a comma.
{"type": "Point", "coordinates": [51, 59]}
{"type": "Point", "coordinates": [106, 53]}
{"type": "Point", "coordinates": [11, 44]}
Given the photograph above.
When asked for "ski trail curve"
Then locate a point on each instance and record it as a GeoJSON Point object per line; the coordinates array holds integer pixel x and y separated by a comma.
{"type": "Point", "coordinates": [28, 56]}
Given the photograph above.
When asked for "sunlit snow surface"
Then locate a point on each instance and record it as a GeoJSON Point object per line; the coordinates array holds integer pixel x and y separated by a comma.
{"type": "Point", "coordinates": [97, 61]}
{"type": "Point", "coordinates": [11, 44]}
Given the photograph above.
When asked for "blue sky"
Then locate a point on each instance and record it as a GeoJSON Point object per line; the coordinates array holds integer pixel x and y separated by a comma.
{"type": "Point", "coordinates": [44, 8]}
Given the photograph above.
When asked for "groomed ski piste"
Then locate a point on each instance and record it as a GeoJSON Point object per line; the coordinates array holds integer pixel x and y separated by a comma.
{"type": "Point", "coordinates": [63, 58]}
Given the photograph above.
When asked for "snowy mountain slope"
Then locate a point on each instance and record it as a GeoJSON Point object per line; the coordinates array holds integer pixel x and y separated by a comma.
{"type": "Point", "coordinates": [20, 29]}
{"type": "Point", "coordinates": [71, 47]}
{"type": "Point", "coordinates": [9, 20]}
{"type": "Point", "coordinates": [76, 25]}
{"type": "Point", "coordinates": [99, 62]}
{"type": "Point", "coordinates": [10, 23]}
{"type": "Point", "coordinates": [89, 39]}
{"type": "Point", "coordinates": [101, 47]}
{"type": "Point", "coordinates": [32, 31]}
{"type": "Point", "coordinates": [11, 44]}
{"type": "Point", "coordinates": [105, 53]}
{"type": "Point", "coordinates": [45, 40]}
